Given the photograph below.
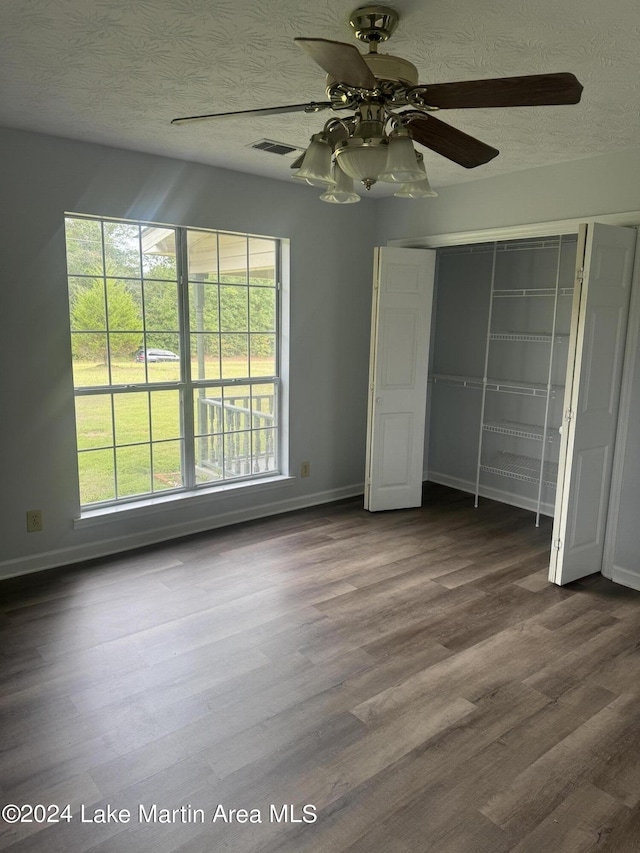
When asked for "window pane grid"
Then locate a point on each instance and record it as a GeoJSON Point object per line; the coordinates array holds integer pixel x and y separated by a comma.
{"type": "Point", "coordinates": [240, 438]}
{"type": "Point", "coordinates": [207, 360]}
{"type": "Point", "coordinates": [111, 445]}
{"type": "Point", "coordinates": [157, 474]}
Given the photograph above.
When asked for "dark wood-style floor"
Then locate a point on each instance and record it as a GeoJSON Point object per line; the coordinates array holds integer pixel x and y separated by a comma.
{"type": "Point", "coordinates": [411, 675]}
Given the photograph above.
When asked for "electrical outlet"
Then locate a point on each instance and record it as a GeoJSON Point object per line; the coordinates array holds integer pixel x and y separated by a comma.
{"type": "Point", "coordinates": [305, 469]}
{"type": "Point", "coordinates": [34, 520]}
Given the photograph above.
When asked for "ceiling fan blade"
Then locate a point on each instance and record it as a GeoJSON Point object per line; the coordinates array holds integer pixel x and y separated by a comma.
{"type": "Point", "coordinates": [340, 60]}
{"type": "Point", "coordinates": [531, 91]}
{"type": "Point", "coordinates": [313, 107]}
{"type": "Point", "coordinates": [450, 142]}
{"type": "Point", "coordinates": [298, 161]}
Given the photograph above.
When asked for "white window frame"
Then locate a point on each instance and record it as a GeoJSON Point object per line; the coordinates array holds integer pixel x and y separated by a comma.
{"type": "Point", "coordinates": [186, 384]}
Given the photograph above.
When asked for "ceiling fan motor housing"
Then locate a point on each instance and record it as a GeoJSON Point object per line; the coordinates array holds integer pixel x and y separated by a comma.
{"type": "Point", "coordinates": [394, 68]}
{"type": "Point", "coordinates": [386, 68]}
{"type": "Point", "coordinates": [372, 25]}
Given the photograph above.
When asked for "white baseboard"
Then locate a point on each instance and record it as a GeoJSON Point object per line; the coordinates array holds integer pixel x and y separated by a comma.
{"type": "Point", "coordinates": [493, 494]}
{"type": "Point", "coordinates": [115, 545]}
{"type": "Point", "coordinates": [452, 482]}
{"type": "Point", "coordinates": [626, 577]}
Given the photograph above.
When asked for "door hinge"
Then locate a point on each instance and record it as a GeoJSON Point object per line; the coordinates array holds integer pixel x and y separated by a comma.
{"type": "Point", "coordinates": [580, 275]}
{"type": "Point", "coordinates": [568, 415]}
{"type": "Point", "coordinates": [557, 544]}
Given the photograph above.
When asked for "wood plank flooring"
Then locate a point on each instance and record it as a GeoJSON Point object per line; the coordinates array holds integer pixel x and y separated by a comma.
{"type": "Point", "coordinates": [410, 677]}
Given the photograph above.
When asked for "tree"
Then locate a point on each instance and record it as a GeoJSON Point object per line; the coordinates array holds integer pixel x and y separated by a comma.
{"type": "Point", "coordinates": [88, 315]}
{"type": "Point", "coordinates": [161, 314]}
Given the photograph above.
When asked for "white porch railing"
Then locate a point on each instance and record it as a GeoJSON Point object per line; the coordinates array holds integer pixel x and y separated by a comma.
{"type": "Point", "coordinates": [239, 439]}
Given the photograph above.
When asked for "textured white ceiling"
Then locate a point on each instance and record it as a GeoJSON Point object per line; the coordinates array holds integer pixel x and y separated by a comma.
{"type": "Point", "coordinates": [117, 72]}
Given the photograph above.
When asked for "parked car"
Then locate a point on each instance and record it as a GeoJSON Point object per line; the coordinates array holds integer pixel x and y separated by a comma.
{"type": "Point", "coordinates": [156, 355]}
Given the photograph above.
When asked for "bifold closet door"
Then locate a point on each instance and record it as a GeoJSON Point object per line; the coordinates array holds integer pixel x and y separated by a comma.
{"type": "Point", "coordinates": [594, 373]}
{"type": "Point", "coordinates": [398, 370]}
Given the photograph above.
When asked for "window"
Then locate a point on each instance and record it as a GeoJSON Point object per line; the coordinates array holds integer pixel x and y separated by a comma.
{"type": "Point", "coordinates": [175, 357]}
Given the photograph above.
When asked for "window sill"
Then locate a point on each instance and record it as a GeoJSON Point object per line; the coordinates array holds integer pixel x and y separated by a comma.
{"type": "Point", "coordinates": [161, 503]}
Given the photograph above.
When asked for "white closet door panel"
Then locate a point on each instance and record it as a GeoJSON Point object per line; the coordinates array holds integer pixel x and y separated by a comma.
{"type": "Point", "coordinates": [401, 321]}
{"type": "Point", "coordinates": [593, 389]}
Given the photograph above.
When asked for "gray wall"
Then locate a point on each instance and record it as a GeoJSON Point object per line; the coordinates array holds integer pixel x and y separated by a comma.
{"type": "Point", "coordinates": [597, 185]}
{"type": "Point", "coordinates": [331, 269]}
{"type": "Point", "coordinates": [331, 265]}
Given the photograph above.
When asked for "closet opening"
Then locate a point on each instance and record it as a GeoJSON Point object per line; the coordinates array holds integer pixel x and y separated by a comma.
{"type": "Point", "coordinates": [526, 354]}
{"type": "Point", "coordinates": [499, 353]}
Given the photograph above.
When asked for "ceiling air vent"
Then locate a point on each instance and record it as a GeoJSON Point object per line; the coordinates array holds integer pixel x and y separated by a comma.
{"type": "Point", "coordinates": [281, 148]}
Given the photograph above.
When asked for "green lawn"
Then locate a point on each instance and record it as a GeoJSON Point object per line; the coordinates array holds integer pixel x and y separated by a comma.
{"type": "Point", "coordinates": [151, 421]}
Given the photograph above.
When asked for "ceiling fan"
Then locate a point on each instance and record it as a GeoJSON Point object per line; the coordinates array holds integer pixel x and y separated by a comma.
{"type": "Point", "coordinates": [390, 110]}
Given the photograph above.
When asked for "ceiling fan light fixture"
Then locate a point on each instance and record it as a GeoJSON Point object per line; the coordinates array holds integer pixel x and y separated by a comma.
{"type": "Point", "coordinates": [402, 164]}
{"type": "Point", "coordinates": [316, 165]}
{"type": "Point", "coordinates": [417, 189]}
{"type": "Point", "coordinates": [342, 191]}
{"type": "Point", "coordinates": [363, 158]}
{"type": "Point", "coordinates": [333, 197]}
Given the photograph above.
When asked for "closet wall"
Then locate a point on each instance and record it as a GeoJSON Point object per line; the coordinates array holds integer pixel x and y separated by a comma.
{"type": "Point", "coordinates": [499, 357]}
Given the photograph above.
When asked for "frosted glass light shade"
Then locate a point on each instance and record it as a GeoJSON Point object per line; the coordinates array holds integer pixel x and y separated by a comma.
{"type": "Point", "coordinates": [416, 189]}
{"type": "Point", "coordinates": [342, 191]}
{"type": "Point", "coordinates": [402, 164]}
{"type": "Point", "coordinates": [316, 165]}
{"type": "Point", "coordinates": [362, 159]}
{"type": "Point", "coordinates": [333, 197]}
